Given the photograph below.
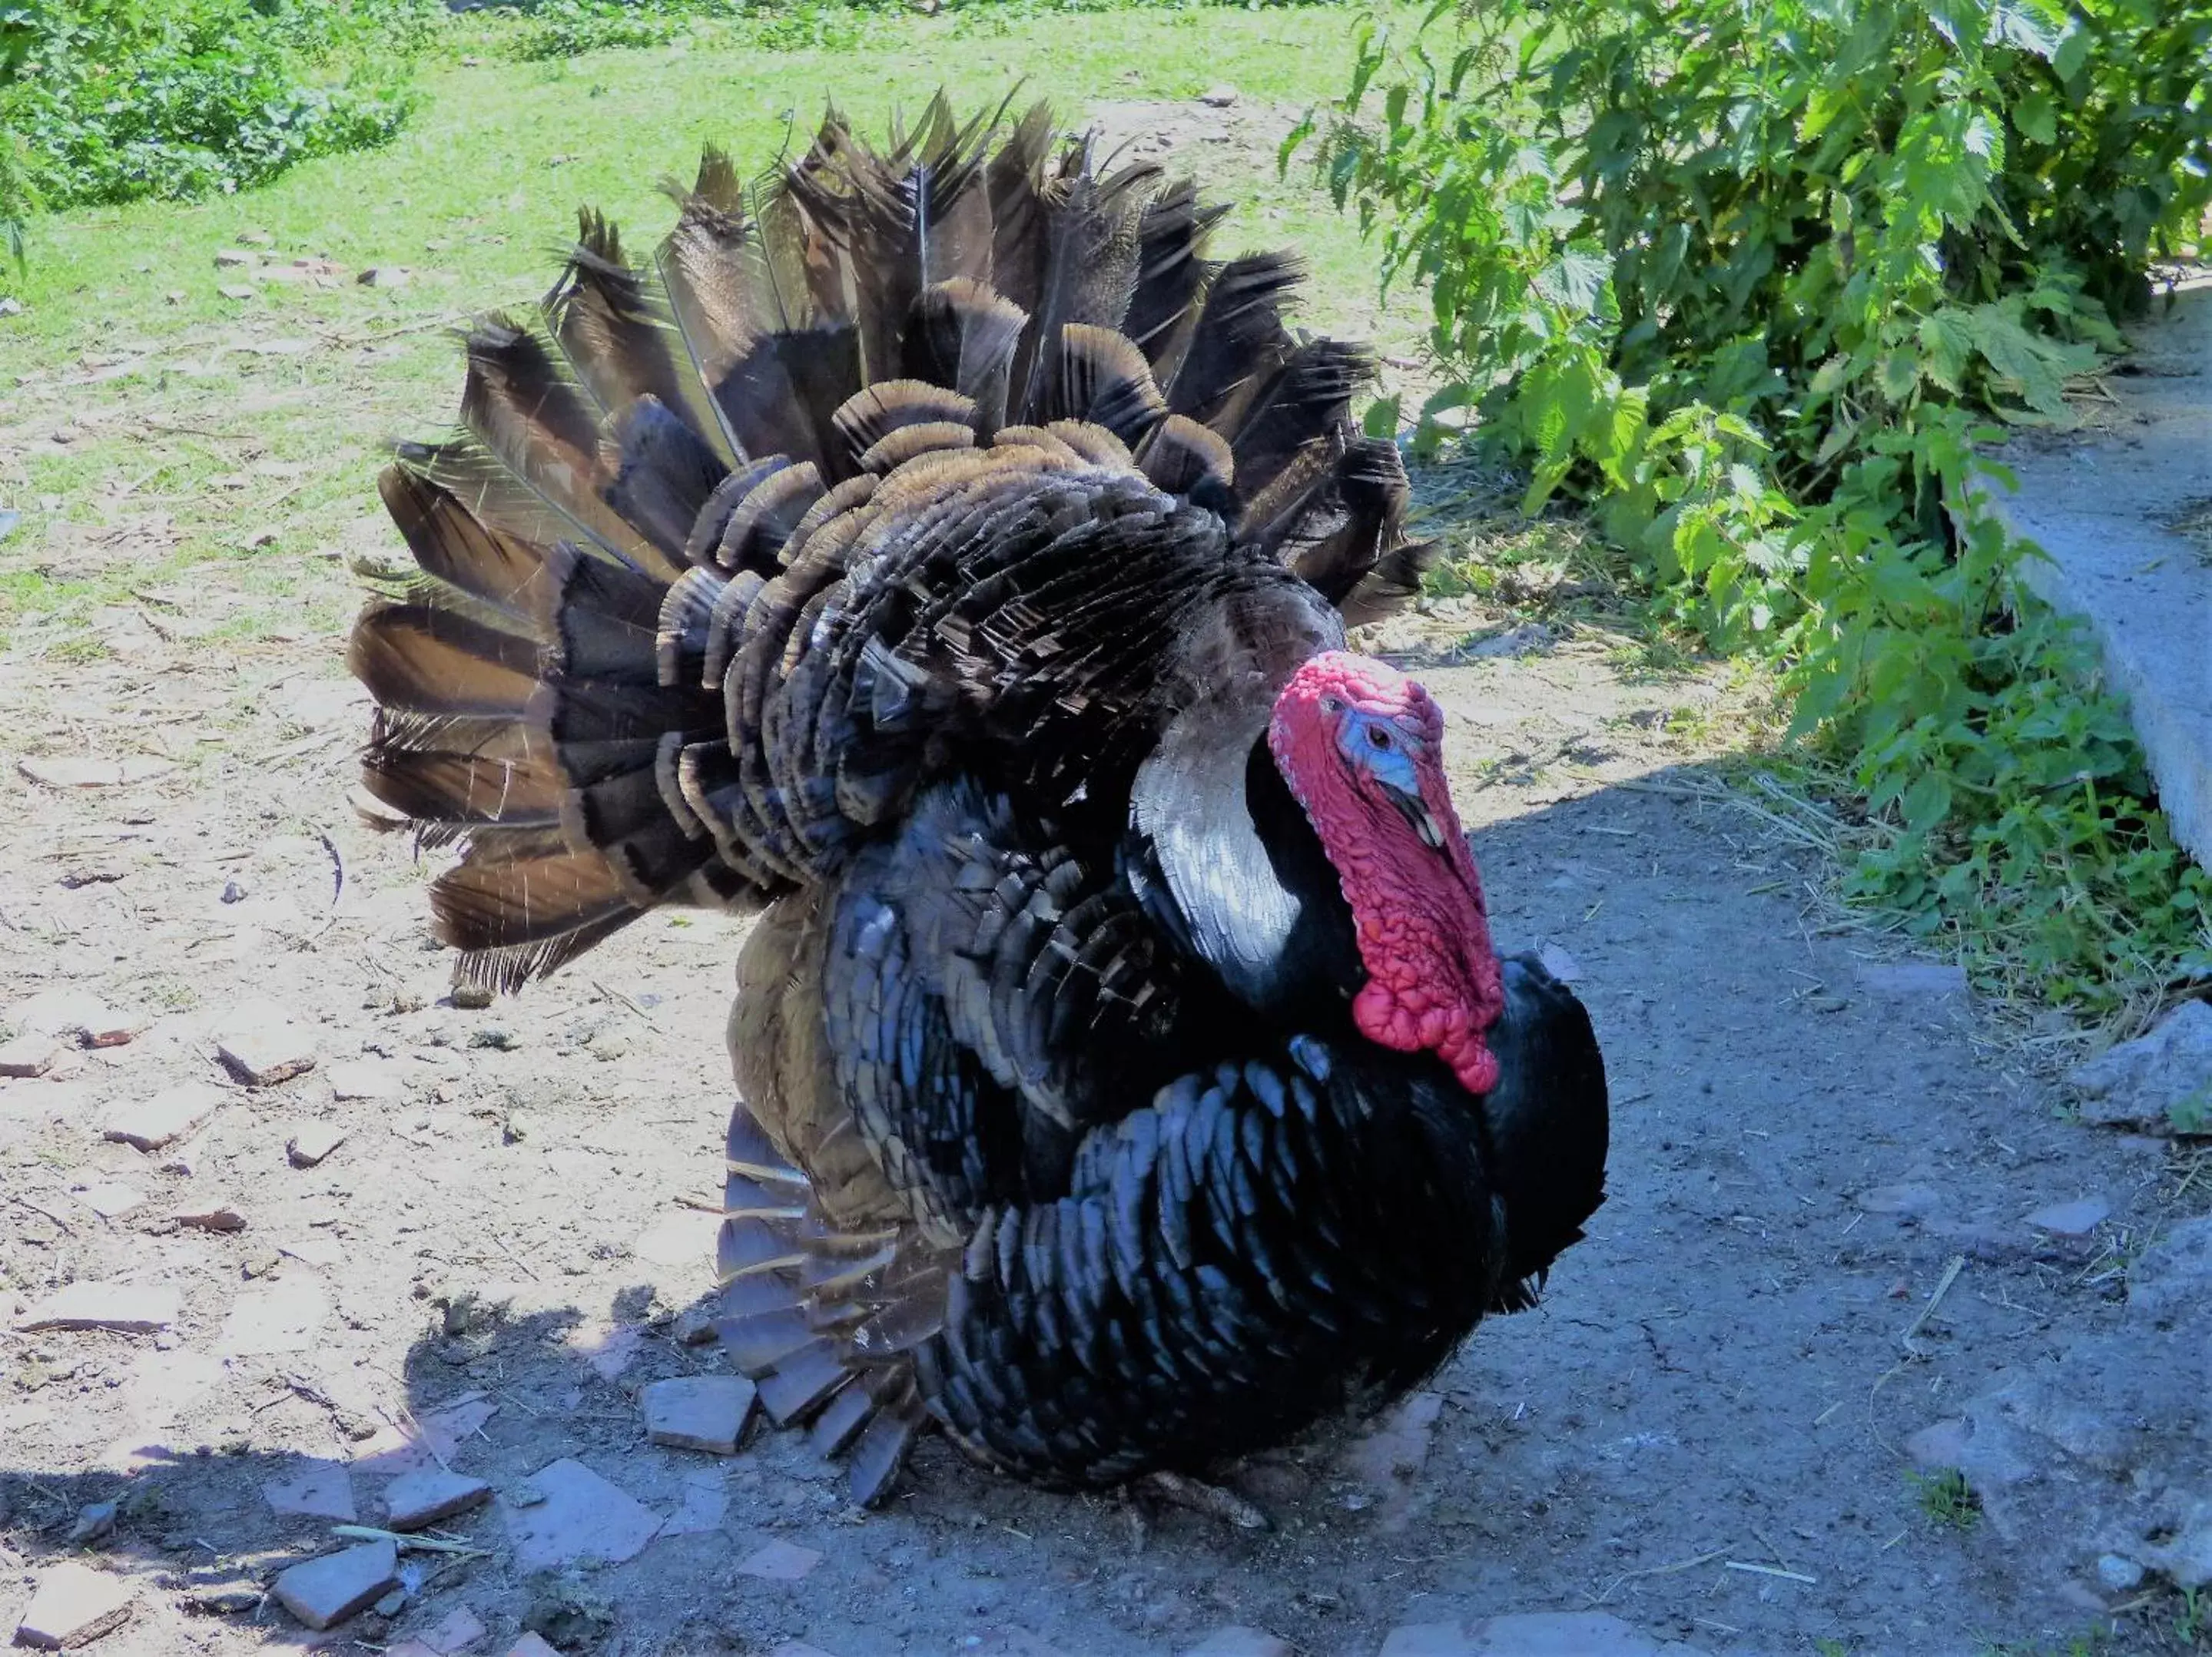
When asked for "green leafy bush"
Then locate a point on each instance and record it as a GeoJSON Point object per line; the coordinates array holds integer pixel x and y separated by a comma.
{"type": "Point", "coordinates": [115, 100]}
{"type": "Point", "coordinates": [1756, 283]}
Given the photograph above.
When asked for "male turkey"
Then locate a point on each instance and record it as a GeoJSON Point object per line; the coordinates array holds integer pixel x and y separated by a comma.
{"type": "Point", "coordinates": [938, 552]}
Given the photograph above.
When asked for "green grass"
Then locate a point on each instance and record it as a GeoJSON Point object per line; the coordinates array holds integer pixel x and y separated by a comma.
{"type": "Point", "coordinates": [198, 424]}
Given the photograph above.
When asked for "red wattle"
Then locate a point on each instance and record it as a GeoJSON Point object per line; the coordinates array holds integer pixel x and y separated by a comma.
{"type": "Point", "coordinates": [1424, 936]}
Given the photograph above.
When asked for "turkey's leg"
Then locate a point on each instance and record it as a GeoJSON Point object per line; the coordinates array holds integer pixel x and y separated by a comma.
{"type": "Point", "coordinates": [1211, 1500]}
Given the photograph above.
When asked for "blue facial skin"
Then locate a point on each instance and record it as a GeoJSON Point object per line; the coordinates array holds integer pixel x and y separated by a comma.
{"type": "Point", "coordinates": [1377, 744]}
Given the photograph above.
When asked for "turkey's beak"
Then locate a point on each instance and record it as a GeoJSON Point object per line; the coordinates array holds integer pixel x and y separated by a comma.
{"type": "Point", "coordinates": [1415, 810]}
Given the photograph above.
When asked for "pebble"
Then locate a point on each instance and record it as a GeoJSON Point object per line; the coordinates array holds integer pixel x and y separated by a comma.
{"type": "Point", "coordinates": [94, 1520]}
{"type": "Point", "coordinates": [475, 997]}
{"type": "Point", "coordinates": [530, 1645]}
{"type": "Point", "coordinates": [1237, 1641]}
{"type": "Point", "coordinates": [1218, 97]}
{"type": "Point", "coordinates": [211, 1213]}
{"type": "Point", "coordinates": [233, 259]}
{"type": "Point", "coordinates": [2078, 1218]}
{"type": "Point", "coordinates": [261, 1043]}
{"type": "Point", "coordinates": [74, 1606]}
{"type": "Point", "coordinates": [698, 1412]}
{"type": "Point", "coordinates": [28, 1055]}
{"type": "Point", "coordinates": [226, 1593]}
{"type": "Point", "coordinates": [313, 1141]}
{"type": "Point", "coordinates": [323, 1592]}
{"type": "Point", "coordinates": [1901, 1200]}
{"type": "Point", "coordinates": [460, 1628]}
{"type": "Point", "coordinates": [111, 1198]}
{"type": "Point", "coordinates": [128, 1308]}
{"type": "Point", "coordinates": [385, 275]}
{"type": "Point", "coordinates": [414, 1500]}
{"type": "Point", "coordinates": [168, 1117]}
{"type": "Point", "coordinates": [1926, 978]}
{"type": "Point", "coordinates": [93, 774]}
{"type": "Point", "coordinates": [104, 1027]}
{"type": "Point", "coordinates": [1940, 1444]}
{"type": "Point", "coordinates": [582, 1517]}
{"type": "Point", "coordinates": [285, 1317]}
{"type": "Point", "coordinates": [321, 1490]}
{"type": "Point", "coordinates": [361, 1079]}
{"type": "Point", "coordinates": [1531, 1633]}
{"type": "Point", "coordinates": [779, 1562]}
{"type": "Point", "coordinates": [705, 1501]}
{"type": "Point", "coordinates": [2118, 1573]}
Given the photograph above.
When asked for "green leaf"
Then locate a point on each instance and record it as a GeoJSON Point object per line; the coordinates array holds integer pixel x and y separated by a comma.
{"type": "Point", "coordinates": [2036, 118]}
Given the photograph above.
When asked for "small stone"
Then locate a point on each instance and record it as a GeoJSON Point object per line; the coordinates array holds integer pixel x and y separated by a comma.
{"type": "Point", "coordinates": [2159, 1082]}
{"type": "Point", "coordinates": [226, 1594]}
{"type": "Point", "coordinates": [692, 1327]}
{"type": "Point", "coordinates": [1237, 1641]}
{"type": "Point", "coordinates": [1560, 964]}
{"type": "Point", "coordinates": [1941, 1444]}
{"type": "Point", "coordinates": [109, 1199]}
{"type": "Point", "coordinates": [94, 1520]}
{"type": "Point", "coordinates": [263, 1044]}
{"type": "Point", "coordinates": [414, 1500]}
{"type": "Point", "coordinates": [474, 997]}
{"type": "Point", "coordinates": [29, 1054]}
{"type": "Point", "coordinates": [126, 1307]}
{"type": "Point", "coordinates": [1910, 1201]}
{"type": "Point", "coordinates": [168, 1116]}
{"type": "Point", "coordinates": [385, 275]}
{"type": "Point", "coordinates": [682, 1241]}
{"type": "Point", "coordinates": [698, 1412]}
{"type": "Point", "coordinates": [323, 1592]}
{"type": "Point", "coordinates": [460, 1628]}
{"type": "Point", "coordinates": [233, 290]}
{"type": "Point", "coordinates": [2118, 1573]}
{"type": "Point", "coordinates": [211, 1213]}
{"type": "Point", "coordinates": [322, 1490]}
{"type": "Point", "coordinates": [2079, 1218]}
{"type": "Point", "coordinates": [392, 1603]}
{"type": "Point", "coordinates": [104, 1027]}
{"type": "Point", "coordinates": [75, 1605]}
{"type": "Point", "coordinates": [233, 891]}
{"type": "Point", "coordinates": [233, 259]}
{"type": "Point", "coordinates": [530, 1645]}
{"type": "Point", "coordinates": [362, 1079]}
{"type": "Point", "coordinates": [1218, 97]}
{"type": "Point", "coordinates": [779, 1562]}
{"type": "Point", "coordinates": [1926, 980]}
{"type": "Point", "coordinates": [1531, 1633]}
{"type": "Point", "coordinates": [583, 1516]}
{"type": "Point", "coordinates": [63, 772]}
{"type": "Point", "coordinates": [313, 1142]}
{"type": "Point", "coordinates": [285, 1317]}
{"type": "Point", "coordinates": [706, 1501]}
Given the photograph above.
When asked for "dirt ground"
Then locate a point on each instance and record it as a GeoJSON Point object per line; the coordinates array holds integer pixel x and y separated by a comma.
{"type": "Point", "coordinates": [1814, 1246]}
{"type": "Point", "coordinates": [1699, 1429]}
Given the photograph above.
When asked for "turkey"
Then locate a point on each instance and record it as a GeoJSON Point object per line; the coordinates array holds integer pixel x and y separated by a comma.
{"type": "Point", "coordinates": [935, 553]}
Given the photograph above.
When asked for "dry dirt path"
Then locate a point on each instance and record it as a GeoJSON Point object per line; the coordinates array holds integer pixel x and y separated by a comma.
{"type": "Point", "coordinates": [1701, 1431]}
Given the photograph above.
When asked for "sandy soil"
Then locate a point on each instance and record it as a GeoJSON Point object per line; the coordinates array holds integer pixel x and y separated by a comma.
{"type": "Point", "coordinates": [1718, 1380]}
{"type": "Point", "coordinates": [1701, 1430]}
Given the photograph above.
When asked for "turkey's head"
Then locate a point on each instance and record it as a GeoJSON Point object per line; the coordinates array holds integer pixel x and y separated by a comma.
{"type": "Point", "coordinates": [1361, 747]}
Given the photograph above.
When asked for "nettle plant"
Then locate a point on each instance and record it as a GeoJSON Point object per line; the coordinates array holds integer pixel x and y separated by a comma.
{"type": "Point", "coordinates": [1755, 284]}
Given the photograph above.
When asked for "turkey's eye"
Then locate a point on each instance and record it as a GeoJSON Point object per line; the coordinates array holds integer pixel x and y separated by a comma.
{"type": "Point", "coordinates": [1378, 736]}
{"type": "Point", "coordinates": [1330, 705]}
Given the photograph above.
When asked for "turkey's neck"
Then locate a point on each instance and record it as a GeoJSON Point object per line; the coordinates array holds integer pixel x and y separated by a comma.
{"type": "Point", "coordinates": [1226, 862]}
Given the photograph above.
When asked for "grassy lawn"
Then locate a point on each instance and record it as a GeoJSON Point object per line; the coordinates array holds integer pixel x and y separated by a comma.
{"type": "Point", "coordinates": [198, 463]}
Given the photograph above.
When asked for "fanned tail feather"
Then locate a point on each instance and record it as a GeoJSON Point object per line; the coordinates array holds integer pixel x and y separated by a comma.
{"type": "Point", "coordinates": [605, 688]}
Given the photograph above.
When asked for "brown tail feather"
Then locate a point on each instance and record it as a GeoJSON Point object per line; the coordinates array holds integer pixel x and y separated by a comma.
{"type": "Point", "coordinates": [627, 551]}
